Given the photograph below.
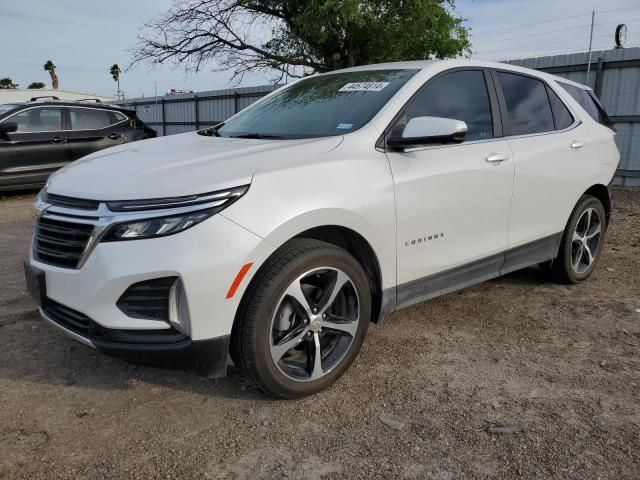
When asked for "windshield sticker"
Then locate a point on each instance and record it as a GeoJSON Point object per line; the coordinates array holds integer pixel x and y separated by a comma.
{"type": "Point", "coordinates": [344, 126]}
{"type": "Point", "coordinates": [364, 87]}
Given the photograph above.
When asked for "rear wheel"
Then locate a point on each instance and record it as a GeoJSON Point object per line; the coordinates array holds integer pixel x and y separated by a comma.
{"type": "Point", "coordinates": [303, 320]}
{"type": "Point", "coordinates": [581, 243]}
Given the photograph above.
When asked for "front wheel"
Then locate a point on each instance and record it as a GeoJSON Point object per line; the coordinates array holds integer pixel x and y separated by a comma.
{"type": "Point", "coordinates": [582, 241]}
{"type": "Point", "coordinates": [303, 319]}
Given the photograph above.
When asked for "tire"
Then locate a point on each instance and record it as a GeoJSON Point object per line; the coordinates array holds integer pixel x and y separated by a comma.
{"type": "Point", "coordinates": [563, 267]}
{"type": "Point", "coordinates": [273, 315]}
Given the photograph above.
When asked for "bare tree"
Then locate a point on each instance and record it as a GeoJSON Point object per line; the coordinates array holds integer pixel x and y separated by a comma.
{"type": "Point", "coordinates": [294, 37]}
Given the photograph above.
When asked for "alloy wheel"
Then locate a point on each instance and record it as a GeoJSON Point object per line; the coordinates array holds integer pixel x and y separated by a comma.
{"type": "Point", "coordinates": [585, 242]}
{"type": "Point", "coordinates": [314, 324]}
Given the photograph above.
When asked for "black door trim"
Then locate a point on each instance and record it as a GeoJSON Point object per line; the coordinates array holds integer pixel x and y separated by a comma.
{"type": "Point", "coordinates": [478, 271]}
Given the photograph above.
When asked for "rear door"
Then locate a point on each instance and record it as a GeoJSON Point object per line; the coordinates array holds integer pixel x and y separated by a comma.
{"type": "Point", "coordinates": [36, 149]}
{"type": "Point", "coordinates": [553, 153]}
{"type": "Point", "coordinates": [93, 129]}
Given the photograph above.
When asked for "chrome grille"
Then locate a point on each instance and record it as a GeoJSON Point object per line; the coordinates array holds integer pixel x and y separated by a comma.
{"type": "Point", "coordinates": [60, 243]}
{"type": "Point", "coordinates": [69, 202]}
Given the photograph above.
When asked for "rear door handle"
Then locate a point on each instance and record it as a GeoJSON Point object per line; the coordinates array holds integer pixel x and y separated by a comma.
{"type": "Point", "coordinates": [576, 144]}
{"type": "Point", "coordinates": [497, 158]}
{"type": "Point", "coordinates": [58, 140]}
{"type": "Point", "coordinates": [115, 136]}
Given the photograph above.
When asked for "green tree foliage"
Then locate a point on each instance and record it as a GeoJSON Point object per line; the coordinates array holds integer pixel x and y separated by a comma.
{"type": "Point", "coordinates": [51, 68]}
{"type": "Point", "coordinates": [300, 37]}
{"type": "Point", "coordinates": [115, 74]}
{"type": "Point", "coordinates": [7, 83]}
{"type": "Point", "coordinates": [36, 85]}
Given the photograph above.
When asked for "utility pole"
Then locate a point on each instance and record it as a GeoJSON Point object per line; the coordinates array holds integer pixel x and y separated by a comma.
{"type": "Point", "coordinates": [593, 18]}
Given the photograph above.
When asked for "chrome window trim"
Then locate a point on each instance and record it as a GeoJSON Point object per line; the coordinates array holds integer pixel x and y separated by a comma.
{"type": "Point", "coordinates": [61, 129]}
{"type": "Point", "coordinates": [574, 125]}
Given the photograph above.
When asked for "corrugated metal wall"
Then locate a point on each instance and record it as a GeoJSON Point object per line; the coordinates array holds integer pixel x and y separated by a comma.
{"type": "Point", "coordinates": [615, 78]}
{"type": "Point", "coordinates": [173, 114]}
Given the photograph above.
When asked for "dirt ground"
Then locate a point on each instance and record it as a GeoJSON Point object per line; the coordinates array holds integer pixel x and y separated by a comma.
{"type": "Point", "coordinates": [558, 366]}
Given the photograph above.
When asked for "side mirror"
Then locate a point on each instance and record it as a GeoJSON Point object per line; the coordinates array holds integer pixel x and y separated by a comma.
{"type": "Point", "coordinates": [421, 131]}
{"type": "Point", "coordinates": [8, 127]}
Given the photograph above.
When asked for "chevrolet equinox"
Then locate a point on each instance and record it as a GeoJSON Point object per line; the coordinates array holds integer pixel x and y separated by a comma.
{"type": "Point", "coordinates": [277, 236]}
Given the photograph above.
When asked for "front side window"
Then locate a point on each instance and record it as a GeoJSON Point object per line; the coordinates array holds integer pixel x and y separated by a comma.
{"type": "Point", "coordinates": [89, 119]}
{"type": "Point", "coordinates": [460, 95]}
{"type": "Point", "coordinates": [34, 120]}
{"type": "Point", "coordinates": [320, 106]}
{"type": "Point", "coordinates": [528, 106]}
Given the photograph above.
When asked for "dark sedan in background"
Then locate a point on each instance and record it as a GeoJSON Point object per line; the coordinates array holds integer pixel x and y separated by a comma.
{"type": "Point", "coordinates": [39, 137]}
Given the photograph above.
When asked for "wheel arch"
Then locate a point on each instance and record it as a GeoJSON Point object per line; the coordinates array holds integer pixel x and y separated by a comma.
{"type": "Point", "coordinates": [601, 192]}
{"type": "Point", "coordinates": [362, 251]}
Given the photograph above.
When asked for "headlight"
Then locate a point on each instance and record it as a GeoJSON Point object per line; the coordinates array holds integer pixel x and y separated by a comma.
{"type": "Point", "coordinates": [156, 227]}
{"type": "Point", "coordinates": [200, 207]}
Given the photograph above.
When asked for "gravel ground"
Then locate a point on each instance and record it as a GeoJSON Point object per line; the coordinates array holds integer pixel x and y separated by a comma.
{"type": "Point", "coordinates": [514, 378]}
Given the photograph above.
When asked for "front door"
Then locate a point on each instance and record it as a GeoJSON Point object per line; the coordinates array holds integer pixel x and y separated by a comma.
{"type": "Point", "coordinates": [36, 149]}
{"type": "Point", "coordinates": [452, 201]}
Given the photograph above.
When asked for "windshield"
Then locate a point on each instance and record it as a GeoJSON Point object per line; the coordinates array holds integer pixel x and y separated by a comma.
{"type": "Point", "coordinates": [319, 106]}
{"type": "Point", "coordinates": [7, 107]}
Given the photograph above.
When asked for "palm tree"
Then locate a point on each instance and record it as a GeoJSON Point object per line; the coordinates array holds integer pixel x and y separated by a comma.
{"type": "Point", "coordinates": [51, 68]}
{"type": "Point", "coordinates": [115, 74]}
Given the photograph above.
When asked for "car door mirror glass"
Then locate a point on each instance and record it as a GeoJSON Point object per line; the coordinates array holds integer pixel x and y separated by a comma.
{"type": "Point", "coordinates": [420, 131]}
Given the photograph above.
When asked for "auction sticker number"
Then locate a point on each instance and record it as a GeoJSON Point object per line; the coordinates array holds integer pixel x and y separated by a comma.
{"type": "Point", "coordinates": [364, 86]}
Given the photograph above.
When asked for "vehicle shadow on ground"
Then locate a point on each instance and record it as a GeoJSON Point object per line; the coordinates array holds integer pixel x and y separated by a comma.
{"type": "Point", "coordinates": [47, 357]}
{"type": "Point", "coordinates": [36, 353]}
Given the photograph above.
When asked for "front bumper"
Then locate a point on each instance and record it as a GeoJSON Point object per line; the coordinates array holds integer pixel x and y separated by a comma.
{"type": "Point", "coordinates": [206, 258]}
{"type": "Point", "coordinates": [206, 357]}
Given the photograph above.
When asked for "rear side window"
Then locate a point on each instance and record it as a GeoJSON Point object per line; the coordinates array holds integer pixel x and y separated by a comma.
{"type": "Point", "coordinates": [589, 103]}
{"type": "Point", "coordinates": [528, 106]}
{"type": "Point", "coordinates": [38, 120]}
{"type": "Point", "coordinates": [460, 95]}
{"type": "Point", "coordinates": [561, 114]}
{"type": "Point", "coordinates": [89, 119]}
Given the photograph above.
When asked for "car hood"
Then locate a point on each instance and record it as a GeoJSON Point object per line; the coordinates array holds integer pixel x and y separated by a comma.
{"type": "Point", "coordinates": [177, 165]}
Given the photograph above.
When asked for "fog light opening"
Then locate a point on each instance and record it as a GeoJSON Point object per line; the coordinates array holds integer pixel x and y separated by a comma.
{"type": "Point", "coordinates": [178, 308]}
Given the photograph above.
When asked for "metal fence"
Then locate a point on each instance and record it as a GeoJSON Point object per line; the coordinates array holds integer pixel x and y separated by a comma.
{"type": "Point", "coordinates": [173, 114]}
{"type": "Point", "coordinates": [615, 79]}
{"type": "Point", "coordinates": [614, 76]}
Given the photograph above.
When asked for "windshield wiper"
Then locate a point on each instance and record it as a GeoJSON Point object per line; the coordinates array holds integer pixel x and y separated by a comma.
{"type": "Point", "coordinates": [211, 130]}
{"type": "Point", "coordinates": [257, 136]}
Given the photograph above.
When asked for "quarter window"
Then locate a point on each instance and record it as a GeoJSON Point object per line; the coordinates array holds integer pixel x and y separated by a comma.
{"type": "Point", "coordinates": [460, 95]}
{"type": "Point", "coordinates": [588, 101]}
{"type": "Point", "coordinates": [561, 113]}
{"type": "Point", "coordinates": [528, 106]}
{"type": "Point", "coordinates": [89, 119]}
{"type": "Point", "coordinates": [38, 120]}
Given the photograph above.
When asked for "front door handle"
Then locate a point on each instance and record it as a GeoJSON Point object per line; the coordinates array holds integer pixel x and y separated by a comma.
{"type": "Point", "coordinates": [576, 144]}
{"type": "Point", "coordinates": [497, 158]}
{"type": "Point", "coordinates": [115, 136]}
{"type": "Point", "coordinates": [58, 140]}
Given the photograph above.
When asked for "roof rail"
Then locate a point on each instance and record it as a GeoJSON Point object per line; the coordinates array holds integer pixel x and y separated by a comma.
{"type": "Point", "coordinates": [52, 97]}
{"type": "Point", "coordinates": [89, 100]}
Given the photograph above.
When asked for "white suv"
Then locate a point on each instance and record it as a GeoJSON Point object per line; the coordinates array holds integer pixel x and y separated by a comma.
{"type": "Point", "coordinates": [277, 236]}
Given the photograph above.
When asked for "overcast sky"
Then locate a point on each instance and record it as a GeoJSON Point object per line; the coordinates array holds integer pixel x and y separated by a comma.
{"type": "Point", "coordinates": [84, 38]}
